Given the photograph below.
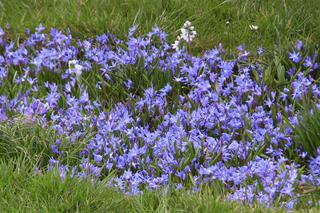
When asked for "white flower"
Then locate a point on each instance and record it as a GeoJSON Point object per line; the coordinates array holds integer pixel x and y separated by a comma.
{"type": "Point", "coordinates": [46, 106]}
{"type": "Point", "coordinates": [175, 45]}
{"type": "Point", "coordinates": [187, 32]}
{"type": "Point", "coordinates": [187, 24]}
{"type": "Point", "coordinates": [78, 70]}
{"type": "Point", "coordinates": [72, 62]}
{"type": "Point", "coordinates": [253, 27]}
{"type": "Point", "coordinates": [75, 67]}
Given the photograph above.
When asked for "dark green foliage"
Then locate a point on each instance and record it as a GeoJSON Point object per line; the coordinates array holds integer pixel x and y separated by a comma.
{"type": "Point", "coordinates": [307, 132]}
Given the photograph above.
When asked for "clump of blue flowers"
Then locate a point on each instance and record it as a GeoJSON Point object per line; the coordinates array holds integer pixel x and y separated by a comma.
{"type": "Point", "coordinates": [175, 120]}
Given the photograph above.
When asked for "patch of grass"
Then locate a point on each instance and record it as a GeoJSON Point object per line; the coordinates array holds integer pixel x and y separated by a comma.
{"type": "Point", "coordinates": [307, 131]}
{"type": "Point", "coordinates": [22, 191]}
{"type": "Point", "coordinates": [31, 144]}
{"type": "Point", "coordinates": [227, 21]}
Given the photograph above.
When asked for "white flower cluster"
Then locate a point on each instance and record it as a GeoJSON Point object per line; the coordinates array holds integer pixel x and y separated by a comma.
{"type": "Point", "coordinates": [75, 67]}
{"type": "Point", "coordinates": [187, 33]}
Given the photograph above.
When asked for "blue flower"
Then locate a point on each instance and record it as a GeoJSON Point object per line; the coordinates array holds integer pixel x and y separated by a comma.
{"type": "Point", "coordinates": [295, 57]}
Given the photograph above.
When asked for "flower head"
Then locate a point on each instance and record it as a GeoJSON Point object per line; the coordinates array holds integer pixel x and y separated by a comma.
{"type": "Point", "coordinates": [187, 34]}
{"type": "Point", "coordinates": [75, 67]}
{"type": "Point", "coordinates": [253, 27]}
{"type": "Point", "coordinates": [295, 57]}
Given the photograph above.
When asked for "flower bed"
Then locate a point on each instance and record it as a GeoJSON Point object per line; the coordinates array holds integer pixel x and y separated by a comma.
{"type": "Point", "coordinates": [157, 116]}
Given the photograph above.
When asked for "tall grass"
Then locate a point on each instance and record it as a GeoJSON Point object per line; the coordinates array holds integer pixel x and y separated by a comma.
{"type": "Point", "coordinates": [307, 131]}
{"type": "Point", "coordinates": [279, 22]}
{"type": "Point", "coordinates": [21, 191]}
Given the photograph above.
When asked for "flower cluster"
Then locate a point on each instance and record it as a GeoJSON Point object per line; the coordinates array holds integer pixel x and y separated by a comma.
{"type": "Point", "coordinates": [187, 34]}
{"type": "Point", "coordinates": [213, 121]}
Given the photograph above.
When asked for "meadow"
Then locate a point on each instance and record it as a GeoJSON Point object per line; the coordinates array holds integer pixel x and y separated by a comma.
{"type": "Point", "coordinates": [127, 106]}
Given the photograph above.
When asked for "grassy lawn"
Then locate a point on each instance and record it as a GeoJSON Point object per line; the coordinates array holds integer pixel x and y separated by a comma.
{"type": "Point", "coordinates": [280, 22]}
{"type": "Point", "coordinates": [21, 191]}
{"type": "Point", "coordinates": [25, 147]}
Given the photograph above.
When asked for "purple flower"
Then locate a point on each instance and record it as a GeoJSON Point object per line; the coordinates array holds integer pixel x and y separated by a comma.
{"type": "Point", "coordinates": [97, 158]}
{"type": "Point", "coordinates": [54, 149]}
{"type": "Point", "coordinates": [128, 84]}
{"type": "Point", "coordinates": [260, 51]}
{"type": "Point", "coordinates": [1, 32]}
{"type": "Point", "coordinates": [308, 62]}
{"type": "Point", "coordinates": [299, 45]}
{"type": "Point", "coordinates": [295, 57]}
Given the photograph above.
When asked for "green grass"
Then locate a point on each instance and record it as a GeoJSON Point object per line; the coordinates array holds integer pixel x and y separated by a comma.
{"type": "Point", "coordinates": [307, 131]}
{"type": "Point", "coordinates": [25, 147]}
{"type": "Point", "coordinates": [280, 22]}
{"type": "Point", "coordinates": [22, 148]}
{"type": "Point", "coordinates": [21, 191]}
